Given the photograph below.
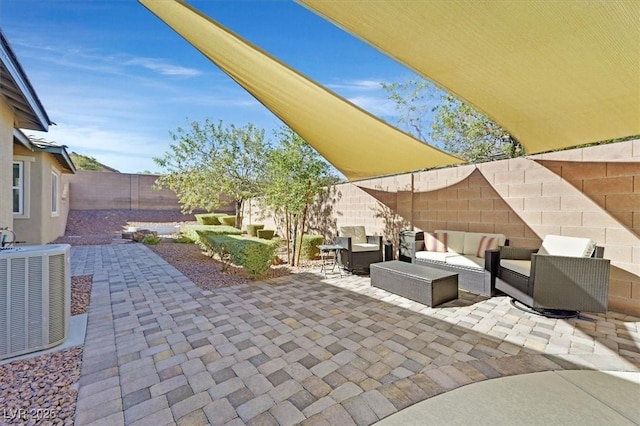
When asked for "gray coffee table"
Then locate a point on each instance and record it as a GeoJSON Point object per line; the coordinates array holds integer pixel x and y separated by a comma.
{"type": "Point", "coordinates": [423, 284]}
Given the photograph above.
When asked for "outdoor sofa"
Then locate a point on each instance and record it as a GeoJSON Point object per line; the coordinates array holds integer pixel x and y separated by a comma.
{"type": "Point", "coordinates": [472, 255]}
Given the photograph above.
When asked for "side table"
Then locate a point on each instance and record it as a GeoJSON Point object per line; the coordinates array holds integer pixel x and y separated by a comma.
{"type": "Point", "coordinates": [325, 255]}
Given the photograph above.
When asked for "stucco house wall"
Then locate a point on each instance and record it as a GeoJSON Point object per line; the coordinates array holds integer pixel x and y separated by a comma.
{"type": "Point", "coordinates": [6, 154]}
{"type": "Point", "coordinates": [39, 225]}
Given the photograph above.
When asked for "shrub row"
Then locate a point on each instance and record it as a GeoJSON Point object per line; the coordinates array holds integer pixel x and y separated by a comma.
{"type": "Point", "coordinates": [209, 218]}
{"type": "Point", "coordinates": [253, 254]}
{"type": "Point", "coordinates": [198, 233]}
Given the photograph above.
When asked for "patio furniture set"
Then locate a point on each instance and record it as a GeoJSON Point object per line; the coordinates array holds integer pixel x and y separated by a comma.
{"type": "Point", "coordinates": [564, 276]}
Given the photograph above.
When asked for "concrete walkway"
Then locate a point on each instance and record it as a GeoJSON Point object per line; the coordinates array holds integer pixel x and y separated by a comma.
{"type": "Point", "coordinates": [303, 349]}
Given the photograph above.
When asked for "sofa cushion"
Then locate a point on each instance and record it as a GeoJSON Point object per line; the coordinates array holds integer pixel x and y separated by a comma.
{"type": "Point", "coordinates": [364, 247]}
{"type": "Point", "coordinates": [436, 241]}
{"type": "Point", "coordinates": [472, 242]}
{"type": "Point", "coordinates": [486, 243]}
{"type": "Point", "coordinates": [455, 240]}
{"type": "Point", "coordinates": [357, 233]}
{"type": "Point", "coordinates": [557, 245]}
{"type": "Point", "coordinates": [522, 267]}
{"type": "Point", "coordinates": [434, 255]}
{"type": "Point", "coordinates": [466, 261]}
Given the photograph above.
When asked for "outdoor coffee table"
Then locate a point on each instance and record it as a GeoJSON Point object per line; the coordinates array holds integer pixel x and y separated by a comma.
{"type": "Point", "coordinates": [429, 286]}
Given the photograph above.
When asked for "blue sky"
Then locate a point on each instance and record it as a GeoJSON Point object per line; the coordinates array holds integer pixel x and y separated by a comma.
{"type": "Point", "coordinates": [116, 80]}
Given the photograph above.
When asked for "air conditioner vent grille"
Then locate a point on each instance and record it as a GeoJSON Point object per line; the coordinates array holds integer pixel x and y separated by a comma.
{"type": "Point", "coordinates": [17, 304]}
{"type": "Point", "coordinates": [35, 293]}
{"type": "Point", "coordinates": [4, 317]}
{"type": "Point", "coordinates": [35, 308]}
{"type": "Point", "coordinates": [57, 298]}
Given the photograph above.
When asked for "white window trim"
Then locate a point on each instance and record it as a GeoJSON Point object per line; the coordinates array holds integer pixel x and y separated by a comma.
{"type": "Point", "coordinates": [55, 193]}
{"type": "Point", "coordinates": [19, 187]}
{"type": "Point", "coordinates": [26, 186]}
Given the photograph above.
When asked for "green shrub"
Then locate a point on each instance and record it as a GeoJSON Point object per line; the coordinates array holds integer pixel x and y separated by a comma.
{"type": "Point", "coordinates": [254, 255]}
{"type": "Point", "coordinates": [151, 240]}
{"type": "Point", "coordinates": [198, 233]}
{"type": "Point", "coordinates": [191, 231]}
{"type": "Point", "coordinates": [227, 220]}
{"type": "Point", "coordinates": [266, 234]}
{"type": "Point", "coordinates": [253, 228]}
{"type": "Point", "coordinates": [309, 249]}
{"type": "Point", "coordinates": [183, 239]}
{"type": "Point", "coordinates": [209, 218]}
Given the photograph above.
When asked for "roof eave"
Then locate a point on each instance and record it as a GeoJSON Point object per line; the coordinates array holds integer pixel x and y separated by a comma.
{"type": "Point", "coordinates": [18, 91]}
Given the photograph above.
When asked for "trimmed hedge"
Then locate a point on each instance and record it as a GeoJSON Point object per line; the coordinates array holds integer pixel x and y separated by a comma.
{"type": "Point", "coordinates": [198, 233]}
{"type": "Point", "coordinates": [209, 218]}
{"type": "Point", "coordinates": [266, 234]}
{"type": "Point", "coordinates": [309, 249]}
{"type": "Point", "coordinates": [227, 220]}
{"type": "Point", "coordinates": [252, 229]}
{"type": "Point", "coordinates": [253, 254]}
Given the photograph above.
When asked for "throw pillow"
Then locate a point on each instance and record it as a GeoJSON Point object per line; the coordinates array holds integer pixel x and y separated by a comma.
{"type": "Point", "coordinates": [486, 243]}
{"type": "Point", "coordinates": [436, 241]}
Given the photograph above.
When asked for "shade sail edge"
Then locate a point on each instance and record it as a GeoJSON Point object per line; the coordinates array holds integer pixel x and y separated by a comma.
{"type": "Point", "coordinates": [555, 74]}
{"type": "Point", "coordinates": [357, 143]}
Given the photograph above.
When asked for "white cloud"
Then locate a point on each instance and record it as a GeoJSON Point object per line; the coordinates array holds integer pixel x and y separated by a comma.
{"type": "Point", "coordinates": [355, 85]}
{"type": "Point", "coordinates": [378, 106]}
{"type": "Point", "coordinates": [163, 67]}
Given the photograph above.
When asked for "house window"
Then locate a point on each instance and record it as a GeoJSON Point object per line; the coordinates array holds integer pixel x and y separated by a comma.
{"type": "Point", "coordinates": [17, 183]}
{"type": "Point", "coordinates": [55, 179]}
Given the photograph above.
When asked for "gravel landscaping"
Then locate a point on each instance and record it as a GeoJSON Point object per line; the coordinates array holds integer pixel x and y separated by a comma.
{"type": "Point", "coordinates": [42, 390]}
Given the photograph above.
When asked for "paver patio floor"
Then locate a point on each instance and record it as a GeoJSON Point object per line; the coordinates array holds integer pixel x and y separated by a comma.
{"type": "Point", "coordinates": [301, 348]}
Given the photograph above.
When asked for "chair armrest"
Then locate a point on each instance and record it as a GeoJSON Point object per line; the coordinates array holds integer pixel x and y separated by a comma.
{"type": "Point", "coordinates": [579, 283]}
{"type": "Point", "coordinates": [344, 242]}
{"type": "Point", "coordinates": [516, 253]}
{"type": "Point", "coordinates": [492, 260]}
{"type": "Point", "coordinates": [375, 239]}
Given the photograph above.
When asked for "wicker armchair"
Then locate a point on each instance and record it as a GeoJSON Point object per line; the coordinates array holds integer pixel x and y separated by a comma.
{"type": "Point", "coordinates": [358, 250]}
{"type": "Point", "coordinates": [565, 274]}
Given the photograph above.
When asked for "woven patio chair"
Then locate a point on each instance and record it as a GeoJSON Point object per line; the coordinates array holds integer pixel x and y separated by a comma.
{"type": "Point", "coordinates": [358, 250]}
{"type": "Point", "coordinates": [566, 274]}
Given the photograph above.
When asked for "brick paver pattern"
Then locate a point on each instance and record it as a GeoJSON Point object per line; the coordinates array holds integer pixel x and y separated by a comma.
{"type": "Point", "coordinates": [303, 349]}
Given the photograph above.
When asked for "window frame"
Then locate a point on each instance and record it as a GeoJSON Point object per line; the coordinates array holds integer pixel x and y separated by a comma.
{"type": "Point", "coordinates": [20, 187]}
{"type": "Point", "coordinates": [55, 193]}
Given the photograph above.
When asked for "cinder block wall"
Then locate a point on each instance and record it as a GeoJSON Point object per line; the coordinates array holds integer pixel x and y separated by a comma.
{"type": "Point", "coordinates": [589, 192]}
{"type": "Point", "coordinates": [118, 191]}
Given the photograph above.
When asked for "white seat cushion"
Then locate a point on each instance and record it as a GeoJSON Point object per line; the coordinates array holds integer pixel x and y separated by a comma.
{"type": "Point", "coordinates": [466, 261]}
{"type": "Point", "coordinates": [434, 255]}
{"type": "Point", "coordinates": [522, 267]}
{"type": "Point", "coordinates": [364, 247]}
{"type": "Point", "coordinates": [556, 245]}
{"type": "Point", "coordinates": [357, 233]}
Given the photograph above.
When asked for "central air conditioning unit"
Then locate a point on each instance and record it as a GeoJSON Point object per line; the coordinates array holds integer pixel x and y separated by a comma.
{"type": "Point", "coordinates": [35, 298]}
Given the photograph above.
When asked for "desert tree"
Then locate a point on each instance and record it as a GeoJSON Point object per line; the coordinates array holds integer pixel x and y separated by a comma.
{"type": "Point", "coordinates": [209, 163]}
{"type": "Point", "coordinates": [431, 114]}
{"type": "Point", "coordinates": [296, 176]}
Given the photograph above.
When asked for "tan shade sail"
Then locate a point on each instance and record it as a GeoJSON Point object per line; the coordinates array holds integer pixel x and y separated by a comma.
{"type": "Point", "coordinates": [555, 74]}
{"type": "Point", "coordinates": [355, 142]}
